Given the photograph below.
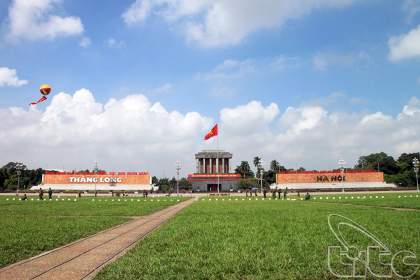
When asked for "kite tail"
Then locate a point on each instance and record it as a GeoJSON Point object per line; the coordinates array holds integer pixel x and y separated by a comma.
{"type": "Point", "coordinates": [42, 99]}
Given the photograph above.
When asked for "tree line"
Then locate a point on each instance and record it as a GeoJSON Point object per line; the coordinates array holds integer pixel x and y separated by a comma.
{"type": "Point", "coordinates": [397, 171]}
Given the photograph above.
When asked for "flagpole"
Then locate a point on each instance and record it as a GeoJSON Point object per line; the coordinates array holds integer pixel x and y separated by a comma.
{"type": "Point", "coordinates": [218, 167]}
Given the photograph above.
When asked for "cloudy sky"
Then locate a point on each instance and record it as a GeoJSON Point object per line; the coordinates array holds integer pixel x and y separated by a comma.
{"type": "Point", "coordinates": [137, 83]}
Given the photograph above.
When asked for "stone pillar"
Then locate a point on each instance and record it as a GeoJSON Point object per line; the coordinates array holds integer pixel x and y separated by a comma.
{"type": "Point", "coordinates": [223, 166]}
{"type": "Point", "coordinates": [204, 163]}
{"type": "Point", "coordinates": [211, 165]}
{"type": "Point", "coordinates": [227, 166]}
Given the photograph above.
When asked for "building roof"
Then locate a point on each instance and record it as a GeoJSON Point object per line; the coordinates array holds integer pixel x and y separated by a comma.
{"type": "Point", "coordinates": [213, 154]}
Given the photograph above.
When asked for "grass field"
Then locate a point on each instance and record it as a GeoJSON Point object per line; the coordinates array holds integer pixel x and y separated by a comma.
{"type": "Point", "coordinates": [397, 200]}
{"type": "Point", "coordinates": [28, 228]}
{"type": "Point", "coordinates": [270, 239]}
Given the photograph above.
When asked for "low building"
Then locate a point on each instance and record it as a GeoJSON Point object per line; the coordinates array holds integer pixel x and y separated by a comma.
{"type": "Point", "coordinates": [100, 181]}
{"type": "Point", "coordinates": [213, 172]}
{"type": "Point", "coordinates": [331, 180]}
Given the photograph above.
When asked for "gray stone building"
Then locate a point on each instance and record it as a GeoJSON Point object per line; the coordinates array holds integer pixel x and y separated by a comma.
{"type": "Point", "coordinates": [213, 171]}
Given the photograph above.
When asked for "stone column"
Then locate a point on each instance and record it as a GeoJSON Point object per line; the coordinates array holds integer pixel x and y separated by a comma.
{"type": "Point", "coordinates": [223, 166]}
{"type": "Point", "coordinates": [211, 165]}
{"type": "Point", "coordinates": [205, 165]}
{"type": "Point", "coordinates": [217, 165]}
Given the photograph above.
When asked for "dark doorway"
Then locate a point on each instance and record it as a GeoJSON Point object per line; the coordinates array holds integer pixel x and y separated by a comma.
{"type": "Point", "coordinates": [212, 187]}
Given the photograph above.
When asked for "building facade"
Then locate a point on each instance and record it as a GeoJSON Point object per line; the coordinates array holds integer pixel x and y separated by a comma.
{"type": "Point", "coordinates": [100, 181]}
{"type": "Point", "coordinates": [213, 172]}
{"type": "Point", "coordinates": [331, 180]}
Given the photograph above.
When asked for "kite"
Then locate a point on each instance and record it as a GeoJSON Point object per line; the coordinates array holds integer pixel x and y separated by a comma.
{"type": "Point", "coordinates": [44, 90]}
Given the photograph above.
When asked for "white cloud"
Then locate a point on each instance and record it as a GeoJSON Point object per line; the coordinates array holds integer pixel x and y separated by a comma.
{"type": "Point", "coordinates": [251, 115]}
{"type": "Point", "coordinates": [283, 62]}
{"type": "Point", "coordinates": [75, 130]}
{"type": "Point", "coordinates": [33, 20]}
{"type": "Point", "coordinates": [305, 118]}
{"type": "Point", "coordinates": [226, 22]}
{"type": "Point", "coordinates": [322, 61]}
{"type": "Point", "coordinates": [134, 134]}
{"type": "Point", "coordinates": [313, 137]}
{"type": "Point", "coordinates": [412, 108]}
{"type": "Point", "coordinates": [229, 69]}
{"type": "Point", "coordinates": [405, 46]}
{"type": "Point", "coordinates": [137, 12]}
{"type": "Point", "coordinates": [85, 42]}
{"type": "Point", "coordinates": [8, 77]}
{"type": "Point", "coordinates": [115, 44]}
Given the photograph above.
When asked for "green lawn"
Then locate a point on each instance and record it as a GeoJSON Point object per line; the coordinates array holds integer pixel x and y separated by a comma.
{"type": "Point", "coordinates": [270, 239]}
{"type": "Point", "coordinates": [397, 200]}
{"type": "Point", "coordinates": [28, 228]}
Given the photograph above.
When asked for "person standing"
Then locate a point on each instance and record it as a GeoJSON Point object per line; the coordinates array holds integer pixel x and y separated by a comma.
{"type": "Point", "coordinates": [265, 193]}
{"type": "Point", "coordinates": [50, 193]}
{"type": "Point", "coordinates": [41, 194]}
{"type": "Point", "coordinates": [285, 193]}
{"type": "Point", "coordinates": [279, 193]}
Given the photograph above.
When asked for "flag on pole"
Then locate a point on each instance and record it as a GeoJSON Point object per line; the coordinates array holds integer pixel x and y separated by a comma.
{"type": "Point", "coordinates": [212, 133]}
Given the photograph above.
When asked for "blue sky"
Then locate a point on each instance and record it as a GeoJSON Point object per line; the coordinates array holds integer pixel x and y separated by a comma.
{"type": "Point", "coordinates": [155, 53]}
{"type": "Point", "coordinates": [333, 54]}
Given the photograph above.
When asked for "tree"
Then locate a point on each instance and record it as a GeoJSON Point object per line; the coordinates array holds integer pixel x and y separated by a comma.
{"type": "Point", "coordinates": [257, 164]}
{"type": "Point", "coordinates": [164, 185]}
{"type": "Point", "coordinates": [247, 184]}
{"type": "Point", "coordinates": [405, 161]}
{"type": "Point", "coordinates": [155, 180]}
{"type": "Point", "coordinates": [27, 178]}
{"type": "Point", "coordinates": [270, 175]}
{"type": "Point", "coordinates": [406, 176]}
{"type": "Point", "coordinates": [172, 184]}
{"type": "Point", "coordinates": [379, 161]}
{"type": "Point", "coordinates": [276, 167]}
{"type": "Point", "coordinates": [184, 184]}
{"type": "Point", "coordinates": [245, 170]}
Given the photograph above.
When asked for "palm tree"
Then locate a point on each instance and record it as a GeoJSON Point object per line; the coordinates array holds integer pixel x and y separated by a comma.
{"type": "Point", "coordinates": [257, 164]}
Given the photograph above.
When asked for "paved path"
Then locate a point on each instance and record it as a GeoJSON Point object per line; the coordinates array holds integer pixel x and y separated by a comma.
{"type": "Point", "coordinates": [84, 258]}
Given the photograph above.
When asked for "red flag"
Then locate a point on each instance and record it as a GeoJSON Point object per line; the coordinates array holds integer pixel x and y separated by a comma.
{"type": "Point", "coordinates": [213, 132]}
{"type": "Point", "coordinates": [42, 99]}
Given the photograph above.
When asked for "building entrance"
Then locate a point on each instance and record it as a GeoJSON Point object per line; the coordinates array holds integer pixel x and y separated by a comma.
{"type": "Point", "coordinates": [212, 187]}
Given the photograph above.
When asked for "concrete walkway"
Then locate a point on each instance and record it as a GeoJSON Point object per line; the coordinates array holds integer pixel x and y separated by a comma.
{"type": "Point", "coordinates": [84, 258]}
